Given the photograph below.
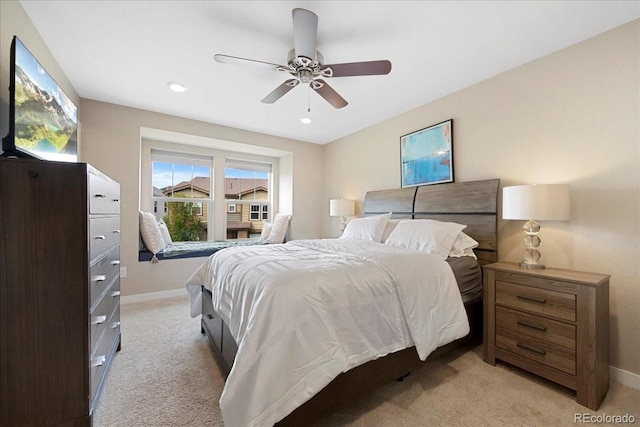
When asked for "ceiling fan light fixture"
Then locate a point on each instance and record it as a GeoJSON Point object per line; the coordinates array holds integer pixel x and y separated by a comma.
{"type": "Point", "coordinates": [177, 87]}
{"type": "Point", "coordinates": [305, 120]}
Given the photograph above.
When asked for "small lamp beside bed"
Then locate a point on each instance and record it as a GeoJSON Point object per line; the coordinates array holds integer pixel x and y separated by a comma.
{"type": "Point", "coordinates": [343, 208]}
{"type": "Point", "coordinates": [548, 202]}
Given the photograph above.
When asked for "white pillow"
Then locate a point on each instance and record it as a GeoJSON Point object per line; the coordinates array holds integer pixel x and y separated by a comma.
{"type": "Point", "coordinates": [279, 228]}
{"type": "Point", "coordinates": [463, 246]}
{"type": "Point", "coordinates": [266, 231]}
{"type": "Point", "coordinates": [367, 228]}
{"type": "Point", "coordinates": [164, 232]}
{"type": "Point", "coordinates": [391, 224]}
{"type": "Point", "coordinates": [426, 235]}
{"type": "Point", "coordinates": [150, 232]}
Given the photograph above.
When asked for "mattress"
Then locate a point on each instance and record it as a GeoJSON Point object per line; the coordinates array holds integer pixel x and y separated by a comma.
{"type": "Point", "coordinates": [468, 275]}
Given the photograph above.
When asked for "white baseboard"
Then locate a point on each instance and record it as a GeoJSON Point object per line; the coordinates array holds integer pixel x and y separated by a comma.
{"type": "Point", "coordinates": [625, 378]}
{"type": "Point", "coordinates": [129, 299]}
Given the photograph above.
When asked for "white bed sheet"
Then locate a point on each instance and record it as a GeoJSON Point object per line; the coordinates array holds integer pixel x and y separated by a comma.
{"type": "Point", "coordinates": [308, 310]}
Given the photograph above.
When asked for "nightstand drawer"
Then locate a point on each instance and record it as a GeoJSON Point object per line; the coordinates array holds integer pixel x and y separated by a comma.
{"type": "Point", "coordinates": [535, 300]}
{"type": "Point", "coordinates": [552, 355]}
{"type": "Point", "coordinates": [548, 330]}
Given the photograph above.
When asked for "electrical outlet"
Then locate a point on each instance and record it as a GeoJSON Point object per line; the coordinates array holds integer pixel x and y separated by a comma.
{"type": "Point", "coordinates": [123, 271]}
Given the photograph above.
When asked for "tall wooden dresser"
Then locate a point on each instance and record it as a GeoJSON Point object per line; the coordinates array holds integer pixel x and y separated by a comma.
{"type": "Point", "coordinates": [59, 290]}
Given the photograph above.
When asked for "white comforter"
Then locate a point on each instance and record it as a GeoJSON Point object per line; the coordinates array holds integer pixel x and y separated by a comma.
{"type": "Point", "coordinates": [306, 311]}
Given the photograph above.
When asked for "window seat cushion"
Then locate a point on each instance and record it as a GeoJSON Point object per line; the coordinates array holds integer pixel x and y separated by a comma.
{"type": "Point", "coordinates": [179, 250]}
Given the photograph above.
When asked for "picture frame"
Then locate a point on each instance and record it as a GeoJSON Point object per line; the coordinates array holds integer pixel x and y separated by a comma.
{"type": "Point", "coordinates": [426, 155]}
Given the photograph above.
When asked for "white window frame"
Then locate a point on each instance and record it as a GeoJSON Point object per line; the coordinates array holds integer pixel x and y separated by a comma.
{"type": "Point", "coordinates": [158, 155]}
{"type": "Point", "coordinates": [250, 165]}
{"type": "Point", "coordinates": [217, 219]}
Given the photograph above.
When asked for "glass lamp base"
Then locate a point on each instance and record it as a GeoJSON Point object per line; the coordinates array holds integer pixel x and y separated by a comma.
{"type": "Point", "coordinates": [531, 242]}
{"type": "Point", "coordinates": [525, 264]}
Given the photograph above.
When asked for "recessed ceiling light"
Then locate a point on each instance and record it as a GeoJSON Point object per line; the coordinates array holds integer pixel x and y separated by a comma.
{"type": "Point", "coordinates": [176, 87]}
{"type": "Point", "coordinates": [306, 120]}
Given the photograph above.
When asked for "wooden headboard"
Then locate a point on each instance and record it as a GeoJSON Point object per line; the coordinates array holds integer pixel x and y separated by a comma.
{"type": "Point", "coordinates": [473, 203]}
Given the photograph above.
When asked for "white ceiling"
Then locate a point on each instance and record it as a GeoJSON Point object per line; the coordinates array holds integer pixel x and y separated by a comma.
{"type": "Point", "coordinates": [125, 52]}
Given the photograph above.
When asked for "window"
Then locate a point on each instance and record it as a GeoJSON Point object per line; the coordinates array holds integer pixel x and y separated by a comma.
{"type": "Point", "coordinates": [182, 193]}
{"type": "Point", "coordinates": [247, 185]}
{"type": "Point", "coordinates": [255, 212]}
{"type": "Point", "coordinates": [179, 184]}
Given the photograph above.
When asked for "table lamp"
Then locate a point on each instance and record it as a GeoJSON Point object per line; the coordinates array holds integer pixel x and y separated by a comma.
{"type": "Point", "coordinates": [548, 202]}
{"type": "Point", "coordinates": [342, 208]}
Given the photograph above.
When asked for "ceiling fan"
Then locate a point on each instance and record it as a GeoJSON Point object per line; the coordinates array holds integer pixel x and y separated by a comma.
{"type": "Point", "coordinates": [307, 66]}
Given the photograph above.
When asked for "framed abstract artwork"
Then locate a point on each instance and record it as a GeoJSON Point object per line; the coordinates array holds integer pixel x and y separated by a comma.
{"type": "Point", "coordinates": [426, 155]}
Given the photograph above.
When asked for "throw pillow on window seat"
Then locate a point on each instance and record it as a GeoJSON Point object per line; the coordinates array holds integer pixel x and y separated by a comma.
{"type": "Point", "coordinates": [279, 228]}
{"type": "Point", "coordinates": [266, 231]}
{"type": "Point", "coordinates": [164, 232]}
{"type": "Point", "coordinates": [151, 234]}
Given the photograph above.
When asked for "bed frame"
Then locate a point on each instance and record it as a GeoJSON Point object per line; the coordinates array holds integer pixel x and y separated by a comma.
{"type": "Point", "coordinates": [472, 203]}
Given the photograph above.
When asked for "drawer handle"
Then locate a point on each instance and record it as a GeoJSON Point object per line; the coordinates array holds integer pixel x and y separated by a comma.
{"type": "Point", "coordinates": [101, 237]}
{"type": "Point", "coordinates": [100, 278]}
{"type": "Point", "coordinates": [98, 320]}
{"type": "Point", "coordinates": [116, 231]}
{"type": "Point", "coordinates": [115, 294]}
{"type": "Point", "coordinates": [532, 299]}
{"type": "Point", "coordinates": [98, 361]}
{"type": "Point", "coordinates": [115, 325]}
{"type": "Point", "coordinates": [116, 200]}
{"type": "Point", "coordinates": [210, 317]}
{"type": "Point", "coordinates": [535, 350]}
{"type": "Point", "coordinates": [531, 325]}
{"type": "Point", "coordinates": [115, 262]}
{"type": "Point", "coordinates": [100, 196]}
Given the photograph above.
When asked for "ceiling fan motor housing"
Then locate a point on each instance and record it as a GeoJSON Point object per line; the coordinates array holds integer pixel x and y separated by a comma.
{"type": "Point", "coordinates": [304, 68]}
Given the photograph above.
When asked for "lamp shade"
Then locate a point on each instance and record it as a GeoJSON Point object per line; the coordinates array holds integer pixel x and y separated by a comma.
{"type": "Point", "coordinates": [342, 207]}
{"type": "Point", "coordinates": [548, 202]}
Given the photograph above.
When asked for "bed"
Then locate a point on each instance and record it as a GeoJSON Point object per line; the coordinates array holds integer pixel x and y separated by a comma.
{"type": "Point", "coordinates": [294, 374]}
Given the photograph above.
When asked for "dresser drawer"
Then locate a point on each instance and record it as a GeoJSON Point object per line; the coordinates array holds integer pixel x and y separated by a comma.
{"type": "Point", "coordinates": [100, 317]}
{"type": "Point", "coordinates": [104, 352]}
{"type": "Point", "coordinates": [541, 301]}
{"type": "Point", "coordinates": [102, 273]}
{"type": "Point", "coordinates": [104, 195]}
{"type": "Point", "coordinates": [104, 233]}
{"type": "Point", "coordinates": [548, 330]}
{"type": "Point", "coordinates": [532, 348]}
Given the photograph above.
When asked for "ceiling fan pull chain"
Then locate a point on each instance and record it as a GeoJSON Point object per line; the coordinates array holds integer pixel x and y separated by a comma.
{"type": "Point", "coordinates": [309, 99]}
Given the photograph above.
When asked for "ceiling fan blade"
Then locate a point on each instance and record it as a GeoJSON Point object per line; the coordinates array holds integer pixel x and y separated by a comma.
{"type": "Point", "coordinates": [280, 91]}
{"type": "Point", "coordinates": [368, 68]}
{"type": "Point", "coordinates": [327, 92]}
{"type": "Point", "coordinates": [226, 59]}
{"type": "Point", "coordinates": [305, 30]}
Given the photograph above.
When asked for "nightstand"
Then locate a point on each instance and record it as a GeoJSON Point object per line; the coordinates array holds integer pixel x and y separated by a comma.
{"type": "Point", "coordinates": [551, 322]}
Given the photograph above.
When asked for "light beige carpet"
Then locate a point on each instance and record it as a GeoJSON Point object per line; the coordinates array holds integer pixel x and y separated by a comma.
{"type": "Point", "coordinates": [166, 375]}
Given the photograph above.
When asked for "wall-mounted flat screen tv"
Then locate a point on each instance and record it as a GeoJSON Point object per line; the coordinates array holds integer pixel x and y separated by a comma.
{"type": "Point", "coordinates": [43, 120]}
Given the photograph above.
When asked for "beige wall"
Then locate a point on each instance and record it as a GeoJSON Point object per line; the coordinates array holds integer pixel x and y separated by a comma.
{"type": "Point", "coordinates": [572, 117]}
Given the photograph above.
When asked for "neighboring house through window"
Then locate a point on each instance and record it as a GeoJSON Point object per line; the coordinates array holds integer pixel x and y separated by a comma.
{"type": "Point", "coordinates": [247, 182]}
{"type": "Point", "coordinates": [182, 185]}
